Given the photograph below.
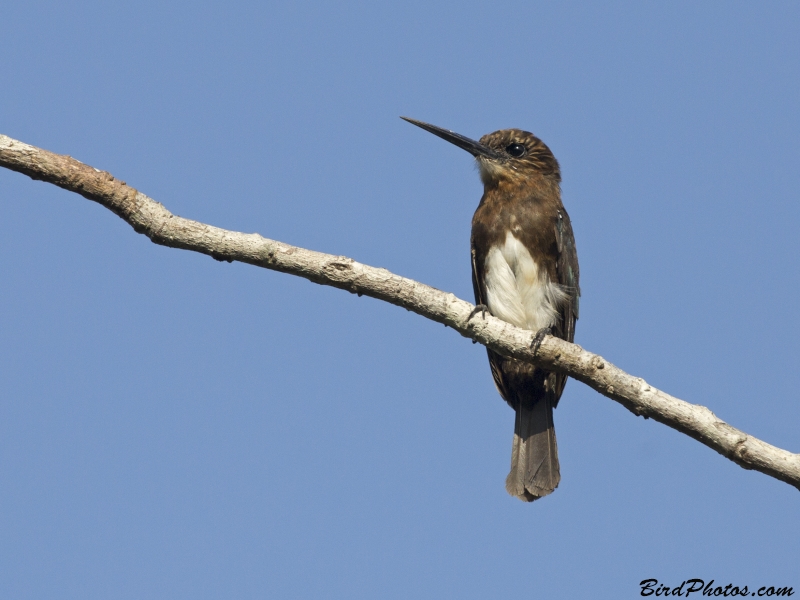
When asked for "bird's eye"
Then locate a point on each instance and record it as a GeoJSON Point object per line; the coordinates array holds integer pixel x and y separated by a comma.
{"type": "Point", "coordinates": [516, 150]}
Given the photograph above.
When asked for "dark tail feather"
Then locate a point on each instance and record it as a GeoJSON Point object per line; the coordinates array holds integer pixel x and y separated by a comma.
{"type": "Point", "coordinates": [534, 455]}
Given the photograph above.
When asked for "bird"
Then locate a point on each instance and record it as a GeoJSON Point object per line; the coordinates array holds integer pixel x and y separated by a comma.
{"type": "Point", "coordinates": [525, 272]}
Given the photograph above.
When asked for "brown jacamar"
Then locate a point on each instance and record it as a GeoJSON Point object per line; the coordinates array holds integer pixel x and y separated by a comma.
{"type": "Point", "coordinates": [525, 272]}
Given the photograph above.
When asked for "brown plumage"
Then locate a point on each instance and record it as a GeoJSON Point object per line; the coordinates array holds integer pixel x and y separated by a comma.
{"type": "Point", "coordinates": [525, 271]}
{"type": "Point", "coordinates": [523, 196]}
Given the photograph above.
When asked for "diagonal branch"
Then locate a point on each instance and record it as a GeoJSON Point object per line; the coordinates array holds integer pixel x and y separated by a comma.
{"type": "Point", "coordinates": [150, 218]}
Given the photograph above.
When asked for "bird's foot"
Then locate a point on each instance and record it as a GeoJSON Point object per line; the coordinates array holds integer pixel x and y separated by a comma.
{"type": "Point", "coordinates": [539, 338]}
{"type": "Point", "coordinates": [480, 308]}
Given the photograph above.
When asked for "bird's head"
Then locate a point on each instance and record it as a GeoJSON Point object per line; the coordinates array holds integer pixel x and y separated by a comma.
{"type": "Point", "coordinates": [510, 155]}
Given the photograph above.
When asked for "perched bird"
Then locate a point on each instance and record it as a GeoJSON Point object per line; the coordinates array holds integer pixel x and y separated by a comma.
{"type": "Point", "coordinates": [525, 272]}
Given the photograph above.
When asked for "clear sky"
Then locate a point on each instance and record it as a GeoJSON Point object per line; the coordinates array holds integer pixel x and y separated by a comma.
{"type": "Point", "coordinates": [174, 427]}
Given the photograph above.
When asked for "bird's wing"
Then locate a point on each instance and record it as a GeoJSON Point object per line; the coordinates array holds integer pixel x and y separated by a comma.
{"type": "Point", "coordinates": [477, 277]}
{"type": "Point", "coordinates": [479, 287]}
{"type": "Point", "coordinates": [568, 275]}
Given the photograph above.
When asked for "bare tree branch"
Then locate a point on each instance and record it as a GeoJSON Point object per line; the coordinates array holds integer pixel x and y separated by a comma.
{"type": "Point", "coordinates": [150, 218]}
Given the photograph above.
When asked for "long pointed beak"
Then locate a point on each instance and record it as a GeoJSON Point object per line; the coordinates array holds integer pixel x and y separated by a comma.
{"type": "Point", "coordinates": [475, 148]}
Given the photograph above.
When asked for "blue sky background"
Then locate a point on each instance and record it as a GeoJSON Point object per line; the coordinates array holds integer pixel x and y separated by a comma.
{"type": "Point", "coordinates": [175, 427]}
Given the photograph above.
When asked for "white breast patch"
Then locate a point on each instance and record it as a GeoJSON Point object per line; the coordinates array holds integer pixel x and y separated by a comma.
{"type": "Point", "coordinates": [517, 291]}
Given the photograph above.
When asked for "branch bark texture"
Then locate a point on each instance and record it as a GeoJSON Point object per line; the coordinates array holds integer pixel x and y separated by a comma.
{"type": "Point", "coordinates": [150, 218]}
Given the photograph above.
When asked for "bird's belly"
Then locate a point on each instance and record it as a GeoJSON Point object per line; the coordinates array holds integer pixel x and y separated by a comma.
{"type": "Point", "coordinates": [518, 291]}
